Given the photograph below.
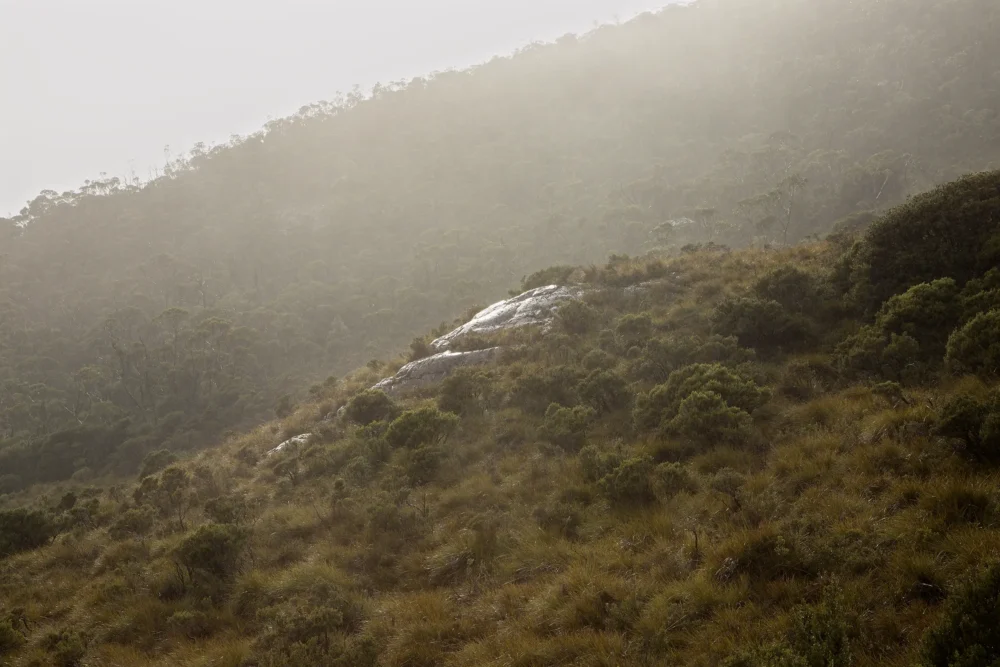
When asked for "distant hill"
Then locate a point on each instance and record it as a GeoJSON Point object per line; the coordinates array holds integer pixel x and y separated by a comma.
{"type": "Point", "coordinates": [135, 316]}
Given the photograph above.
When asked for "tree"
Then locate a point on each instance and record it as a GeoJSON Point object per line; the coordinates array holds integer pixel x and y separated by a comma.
{"type": "Point", "coordinates": [370, 406]}
{"type": "Point", "coordinates": [424, 426]}
{"type": "Point", "coordinates": [24, 530]}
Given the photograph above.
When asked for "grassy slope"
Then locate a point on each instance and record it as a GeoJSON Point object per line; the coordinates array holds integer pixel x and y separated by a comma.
{"type": "Point", "coordinates": [839, 484]}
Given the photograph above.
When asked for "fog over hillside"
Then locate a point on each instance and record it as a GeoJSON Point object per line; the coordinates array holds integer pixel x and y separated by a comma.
{"type": "Point", "coordinates": [104, 86]}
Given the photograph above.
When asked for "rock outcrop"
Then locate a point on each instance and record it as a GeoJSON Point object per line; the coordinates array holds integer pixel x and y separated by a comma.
{"type": "Point", "coordinates": [431, 370]}
{"type": "Point", "coordinates": [534, 307]}
{"type": "Point", "coordinates": [291, 442]}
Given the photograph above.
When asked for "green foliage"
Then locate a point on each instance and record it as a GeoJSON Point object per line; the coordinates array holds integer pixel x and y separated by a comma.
{"type": "Point", "coordinates": [975, 347]}
{"type": "Point", "coordinates": [662, 356]}
{"type": "Point", "coordinates": [67, 648]}
{"type": "Point", "coordinates": [706, 418]}
{"type": "Point", "coordinates": [132, 523]}
{"type": "Point", "coordinates": [466, 391]}
{"type": "Point", "coordinates": [424, 426]}
{"type": "Point", "coordinates": [536, 390]}
{"type": "Point", "coordinates": [576, 317]}
{"type": "Point", "coordinates": [630, 482]}
{"type": "Point", "coordinates": [370, 406]}
{"type": "Point", "coordinates": [214, 549]}
{"type": "Point", "coordinates": [792, 288]}
{"type": "Point", "coordinates": [969, 633]}
{"type": "Point", "coordinates": [605, 391]}
{"type": "Point", "coordinates": [976, 422]}
{"type": "Point", "coordinates": [762, 324]}
{"type": "Point", "coordinates": [24, 530]}
{"type": "Point", "coordinates": [944, 232]}
{"type": "Point", "coordinates": [597, 464]}
{"type": "Point", "coordinates": [567, 427]}
{"type": "Point", "coordinates": [674, 478]}
{"type": "Point", "coordinates": [661, 405]}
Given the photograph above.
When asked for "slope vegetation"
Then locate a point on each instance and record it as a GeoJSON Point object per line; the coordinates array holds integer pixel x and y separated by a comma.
{"type": "Point", "coordinates": [714, 458]}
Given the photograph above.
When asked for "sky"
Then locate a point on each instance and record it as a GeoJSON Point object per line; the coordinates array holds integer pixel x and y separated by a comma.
{"type": "Point", "coordinates": [105, 85]}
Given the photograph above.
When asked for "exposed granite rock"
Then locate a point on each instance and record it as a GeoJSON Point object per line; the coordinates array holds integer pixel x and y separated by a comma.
{"type": "Point", "coordinates": [291, 442]}
{"type": "Point", "coordinates": [534, 307]}
{"type": "Point", "coordinates": [432, 370]}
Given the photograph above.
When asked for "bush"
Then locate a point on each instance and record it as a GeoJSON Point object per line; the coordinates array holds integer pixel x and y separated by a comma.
{"type": "Point", "coordinates": [599, 360]}
{"type": "Point", "coordinates": [156, 461]}
{"type": "Point", "coordinates": [662, 356]}
{"type": "Point", "coordinates": [67, 648]}
{"type": "Point", "coordinates": [629, 482]}
{"type": "Point", "coordinates": [762, 324]}
{"type": "Point", "coordinates": [213, 549]}
{"type": "Point", "coordinates": [633, 330]}
{"type": "Point", "coordinates": [705, 418]}
{"type": "Point", "coordinates": [597, 464]}
{"type": "Point", "coordinates": [370, 406]}
{"type": "Point", "coordinates": [536, 390]}
{"type": "Point", "coordinates": [943, 232]}
{"type": "Point", "coordinates": [795, 290]}
{"type": "Point", "coordinates": [10, 639]}
{"type": "Point", "coordinates": [969, 633]}
{"type": "Point", "coordinates": [576, 317]}
{"type": "Point", "coordinates": [975, 347]}
{"type": "Point", "coordinates": [423, 464]}
{"type": "Point", "coordinates": [976, 423]}
{"type": "Point", "coordinates": [466, 391]}
{"type": "Point", "coordinates": [674, 478]}
{"type": "Point", "coordinates": [605, 391]}
{"type": "Point", "coordinates": [424, 426]}
{"type": "Point", "coordinates": [132, 524]}
{"type": "Point", "coordinates": [663, 403]}
{"type": "Point", "coordinates": [24, 530]}
{"type": "Point", "coordinates": [567, 427]}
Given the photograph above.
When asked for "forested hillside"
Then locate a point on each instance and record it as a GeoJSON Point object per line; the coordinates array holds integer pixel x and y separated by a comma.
{"type": "Point", "coordinates": [137, 316]}
{"type": "Point", "coordinates": [755, 458]}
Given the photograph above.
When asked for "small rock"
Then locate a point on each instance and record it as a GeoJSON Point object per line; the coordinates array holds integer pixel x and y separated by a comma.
{"type": "Point", "coordinates": [431, 370]}
{"type": "Point", "coordinates": [291, 442]}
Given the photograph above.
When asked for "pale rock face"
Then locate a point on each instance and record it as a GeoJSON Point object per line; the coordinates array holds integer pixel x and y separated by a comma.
{"type": "Point", "coordinates": [291, 442]}
{"type": "Point", "coordinates": [534, 307]}
{"type": "Point", "coordinates": [431, 370]}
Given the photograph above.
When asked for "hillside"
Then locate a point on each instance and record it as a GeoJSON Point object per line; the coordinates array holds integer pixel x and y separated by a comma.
{"type": "Point", "coordinates": [140, 316]}
{"type": "Point", "coordinates": [743, 458]}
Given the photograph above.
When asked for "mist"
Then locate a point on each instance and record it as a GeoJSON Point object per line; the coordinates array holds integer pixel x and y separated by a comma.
{"type": "Point", "coordinates": [105, 86]}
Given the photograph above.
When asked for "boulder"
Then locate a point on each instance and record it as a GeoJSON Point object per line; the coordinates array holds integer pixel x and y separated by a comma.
{"type": "Point", "coordinates": [291, 442]}
{"type": "Point", "coordinates": [431, 370]}
{"type": "Point", "coordinates": [534, 307]}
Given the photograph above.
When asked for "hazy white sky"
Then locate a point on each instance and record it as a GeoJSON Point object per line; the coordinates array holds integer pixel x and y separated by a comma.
{"type": "Point", "coordinates": [92, 86]}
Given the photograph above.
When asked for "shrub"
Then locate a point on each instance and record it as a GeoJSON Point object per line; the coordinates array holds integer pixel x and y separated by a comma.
{"type": "Point", "coordinates": [674, 478]}
{"type": "Point", "coordinates": [662, 356]}
{"type": "Point", "coordinates": [943, 232]}
{"type": "Point", "coordinates": [704, 417]}
{"type": "Point", "coordinates": [576, 317]}
{"type": "Point", "coordinates": [214, 549]}
{"type": "Point", "coordinates": [794, 289]}
{"type": "Point", "coordinates": [132, 523]}
{"type": "Point", "coordinates": [762, 324]}
{"type": "Point", "coordinates": [156, 461]}
{"type": "Point", "coordinates": [24, 530]}
{"type": "Point", "coordinates": [975, 347]}
{"type": "Point", "coordinates": [10, 639]}
{"type": "Point", "coordinates": [605, 391]}
{"type": "Point", "coordinates": [969, 633]}
{"type": "Point", "coordinates": [597, 464]}
{"type": "Point", "coordinates": [67, 648]}
{"type": "Point", "coordinates": [976, 423]}
{"type": "Point", "coordinates": [536, 390]}
{"type": "Point", "coordinates": [663, 403]}
{"type": "Point", "coordinates": [370, 406]}
{"type": "Point", "coordinates": [424, 426]}
{"type": "Point", "coordinates": [598, 360]}
{"type": "Point", "coordinates": [633, 329]}
{"type": "Point", "coordinates": [629, 482]}
{"type": "Point", "coordinates": [567, 427]}
{"type": "Point", "coordinates": [423, 464]}
{"type": "Point", "coordinates": [466, 391]}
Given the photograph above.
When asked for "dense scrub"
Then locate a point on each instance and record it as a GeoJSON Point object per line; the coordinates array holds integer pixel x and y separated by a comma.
{"type": "Point", "coordinates": [646, 484]}
{"type": "Point", "coordinates": [136, 316]}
